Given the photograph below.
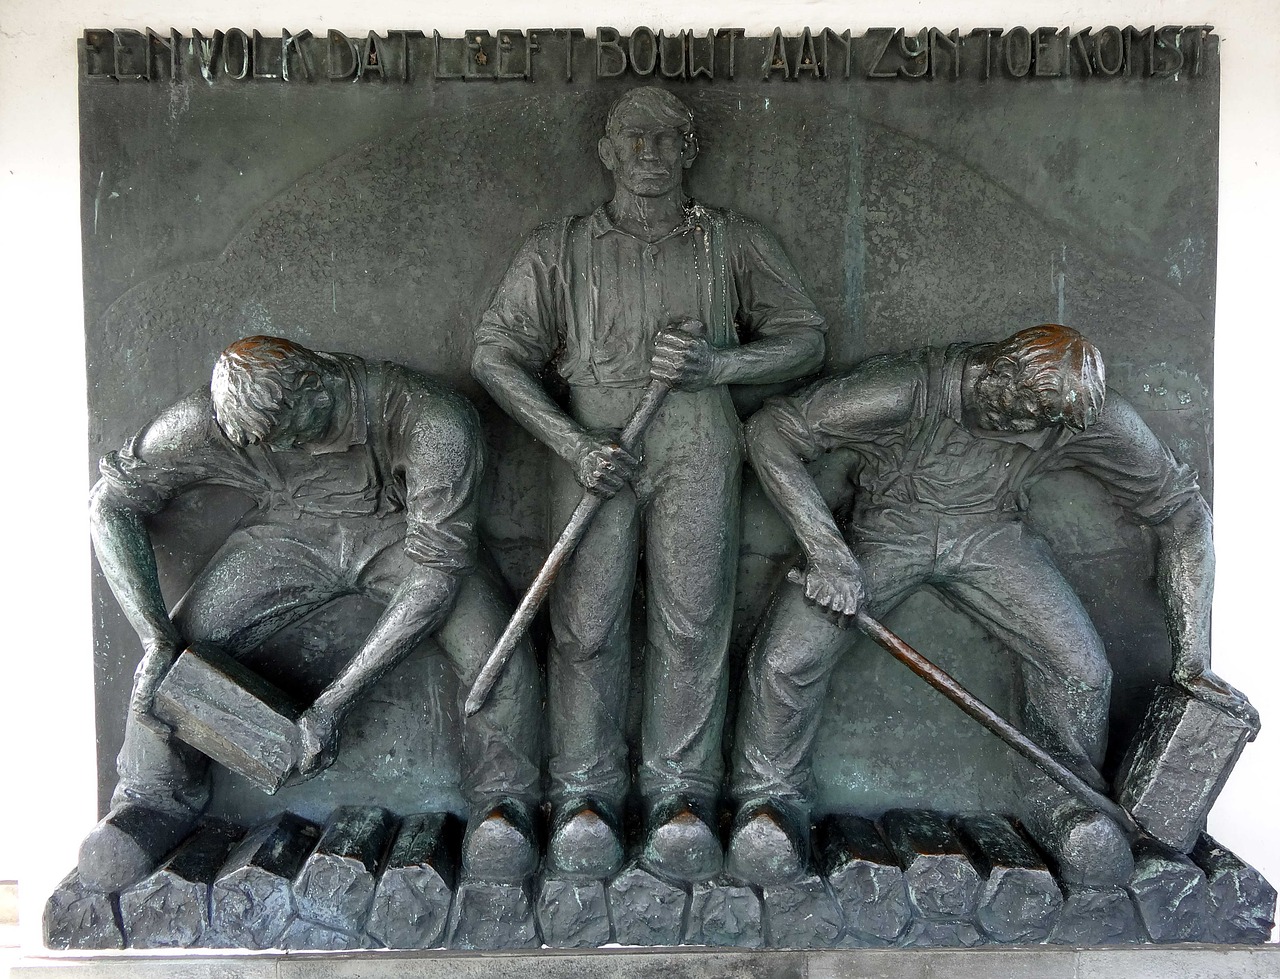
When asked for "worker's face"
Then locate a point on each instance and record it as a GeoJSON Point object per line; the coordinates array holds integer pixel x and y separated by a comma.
{"type": "Point", "coordinates": [301, 420]}
{"type": "Point", "coordinates": [646, 157]}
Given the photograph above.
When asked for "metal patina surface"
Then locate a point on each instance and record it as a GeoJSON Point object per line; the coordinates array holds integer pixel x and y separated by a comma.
{"type": "Point", "coordinates": [749, 317]}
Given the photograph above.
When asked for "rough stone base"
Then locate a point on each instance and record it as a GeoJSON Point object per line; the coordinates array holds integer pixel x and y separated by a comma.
{"type": "Point", "coordinates": [909, 881]}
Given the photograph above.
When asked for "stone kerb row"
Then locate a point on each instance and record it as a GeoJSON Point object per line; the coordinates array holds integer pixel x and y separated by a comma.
{"type": "Point", "coordinates": [370, 879]}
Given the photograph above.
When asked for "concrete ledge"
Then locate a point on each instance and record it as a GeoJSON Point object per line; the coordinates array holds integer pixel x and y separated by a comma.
{"type": "Point", "coordinates": [1038, 962]}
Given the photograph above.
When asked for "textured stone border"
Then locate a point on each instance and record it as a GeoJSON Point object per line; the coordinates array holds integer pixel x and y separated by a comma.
{"type": "Point", "coordinates": [1040, 962]}
{"type": "Point", "coordinates": [913, 880]}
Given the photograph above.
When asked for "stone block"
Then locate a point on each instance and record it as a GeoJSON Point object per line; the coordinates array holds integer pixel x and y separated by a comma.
{"type": "Point", "coordinates": [1177, 764]}
{"type": "Point", "coordinates": [1242, 904]}
{"type": "Point", "coordinates": [170, 908]}
{"type": "Point", "coordinates": [251, 902]}
{"type": "Point", "coordinates": [336, 883]}
{"type": "Point", "coordinates": [1170, 893]}
{"type": "Point", "coordinates": [646, 910]}
{"type": "Point", "coordinates": [491, 916]}
{"type": "Point", "coordinates": [415, 890]}
{"type": "Point", "coordinates": [941, 881]}
{"type": "Point", "coordinates": [941, 933]}
{"type": "Point", "coordinates": [865, 877]}
{"type": "Point", "coordinates": [303, 935]}
{"type": "Point", "coordinates": [573, 913]}
{"type": "Point", "coordinates": [1093, 916]}
{"type": "Point", "coordinates": [1019, 901]}
{"type": "Point", "coordinates": [724, 912]}
{"type": "Point", "coordinates": [78, 916]}
{"type": "Point", "coordinates": [802, 914]}
{"type": "Point", "coordinates": [238, 719]}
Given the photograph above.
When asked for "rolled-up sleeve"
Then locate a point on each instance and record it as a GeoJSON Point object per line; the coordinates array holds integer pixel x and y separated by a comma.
{"type": "Point", "coordinates": [1135, 467]}
{"type": "Point", "coordinates": [175, 452]}
{"type": "Point", "coordinates": [871, 402]}
{"type": "Point", "coordinates": [771, 298]}
{"type": "Point", "coordinates": [522, 316]}
{"type": "Point", "coordinates": [786, 417]}
{"type": "Point", "coordinates": [129, 479]}
{"type": "Point", "coordinates": [443, 464]}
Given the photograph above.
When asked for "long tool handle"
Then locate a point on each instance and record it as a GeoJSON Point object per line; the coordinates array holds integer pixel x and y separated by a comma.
{"type": "Point", "coordinates": [570, 537]}
{"type": "Point", "coordinates": [949, 687]}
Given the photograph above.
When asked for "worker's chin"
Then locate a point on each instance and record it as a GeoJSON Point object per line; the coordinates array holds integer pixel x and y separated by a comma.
{"type": "Point", "coordinates": [653, 185]}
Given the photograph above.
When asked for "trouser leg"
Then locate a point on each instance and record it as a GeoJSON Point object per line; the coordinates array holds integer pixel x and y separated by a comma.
{"type": "Point", "coordinates": [786, 685]}
{"type": "Point", "coordinates": [588, 663]}
{"type": "Point", "coordinates": [501, 744]}
{"type": "Point", "coordinates": [789, 672]}
{"type": "Point", "coordinates": [158, 771]}
{"type": "Point", "coordinates": [691, 555]}
{"type": "Point", "coordinates": [1005, 577]}
{"type": "Point", "coordinates": [1008, 581]}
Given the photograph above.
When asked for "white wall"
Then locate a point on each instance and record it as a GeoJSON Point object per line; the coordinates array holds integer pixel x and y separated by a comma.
{"type": "Point", "coordinates": [46, 698]}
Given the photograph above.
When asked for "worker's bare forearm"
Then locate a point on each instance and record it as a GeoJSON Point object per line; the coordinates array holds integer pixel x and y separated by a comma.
{"type": "Point", "coordinates": [128, 562]}
{"type": "Point", "coordinates": [1184, 575]}
{"type": "Point", "coordinates": [772, 360]}
{"type": "Point", "coordinates": [416, 610]}
{"type": "Point", "coordinates": [523, 397]}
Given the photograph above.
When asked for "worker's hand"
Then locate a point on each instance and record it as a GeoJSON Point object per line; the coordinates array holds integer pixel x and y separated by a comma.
{"type": "Point", "coordinates": [835, 586]}
{"type": "Point", "coordinates": [157, 656]}
{"type": "Point", "coordinates": [1207, 686]}
{"type": "Point", "coordinates": [684, 359]}
{"type": "Point", "coordinates": [316, 743]}
{"type": "Point", "coordinates": [602, 465]}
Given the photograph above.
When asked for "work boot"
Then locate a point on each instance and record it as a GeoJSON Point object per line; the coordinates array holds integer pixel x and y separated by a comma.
{"type": "Point", "coordinates": [500, 846]}
{"type": "Point", "coordinates": [1087, 848]}
{"type": "Point", "coordinates": [682, 843]}
{"type": "Point", "coordinates": [769, 844]}
{"type": "Point", "coordinates": [585, 844]}
{"type": "Point", "coordinates": [130, 842]}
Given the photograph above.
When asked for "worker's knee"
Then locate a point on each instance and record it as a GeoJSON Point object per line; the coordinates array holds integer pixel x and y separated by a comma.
{"type": "Point", "coordinates": [1084, 664]}
{"type": "Point", "coordinates": [1095, 670]}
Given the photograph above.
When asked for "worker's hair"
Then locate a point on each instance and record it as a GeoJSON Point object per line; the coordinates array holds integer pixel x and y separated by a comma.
{"type": "Point", "coordinates": [659, 105]}
{"type": "Point", "coordinates": [1062, 367]}
{"type": "Point", "coordinates": [254, 378]}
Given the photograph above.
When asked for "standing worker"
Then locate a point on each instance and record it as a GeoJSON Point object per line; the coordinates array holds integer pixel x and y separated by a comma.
{"type": "Point", "coordinates": [650, 286]}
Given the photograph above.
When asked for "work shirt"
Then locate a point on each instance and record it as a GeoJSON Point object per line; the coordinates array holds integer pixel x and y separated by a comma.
{"type": "Point", "coordinates": [932, 461]}
{"type": "Point", "coordinates": [590, 298]}
{"type": "Point", "coordinates": [409, 446]}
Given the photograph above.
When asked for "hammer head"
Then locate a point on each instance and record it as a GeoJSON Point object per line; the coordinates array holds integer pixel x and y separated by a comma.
{"type": "Point", "coordinates": [232, 715]}
{"type": "Point", "coordinates": [1178, 762]}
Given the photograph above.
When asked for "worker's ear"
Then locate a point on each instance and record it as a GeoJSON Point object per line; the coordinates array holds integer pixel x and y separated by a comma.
{"type": "Point", "coordinates": [689, 153]}
{"type": "Point", "coordinates": [310, 386]}
{"type": "Point", "coordinates": [1005, 366]}
{"type": "Point", "coordinates": [607, 155]}
{"type": "Point", "coordinates": [308, 381]}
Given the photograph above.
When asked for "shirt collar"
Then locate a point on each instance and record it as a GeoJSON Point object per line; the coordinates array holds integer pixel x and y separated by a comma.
{"type": "Point", "coordinates": [600, 224]}
{"type": "Point", "coordinates": [356, 430]}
